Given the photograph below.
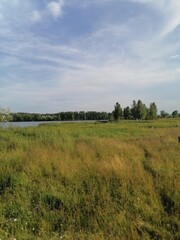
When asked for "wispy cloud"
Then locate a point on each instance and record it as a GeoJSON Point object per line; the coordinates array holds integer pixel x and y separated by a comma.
{"type": "Point", "coordinates": [120, 56]}
{"type": "Point", "coordinates": [175, 56]}
{"type": "Point", "coordinates": [172, 10]}
{"type": "Point", "coordinates": [169, 10]}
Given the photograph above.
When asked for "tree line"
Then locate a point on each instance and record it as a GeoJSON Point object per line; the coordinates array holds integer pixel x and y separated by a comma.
{"type": "Point", "coordinates": [61, 116]}
{"type": "Point", "coordinates": [137, 111]}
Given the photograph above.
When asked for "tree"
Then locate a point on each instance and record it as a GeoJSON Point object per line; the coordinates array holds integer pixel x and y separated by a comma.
{"type": "Point", "coordinates": [141, 110]}
{"type": "Point", "coordinates": [164, 114]}
{"type": "Point", "coordinates": [175, 113]}
{"type": "Point", "coordinates": [117, 113]}
{"type": "Point", "coordinates": [127, 113]}
{"type": "Point", "coordinates": [82, 115]}
{"type": "Point", "coordinates": [5, 115]}
{"type": "Point", "coordinates": [152, 111]}
{"type": "Point", "coordinates": [134, 110]}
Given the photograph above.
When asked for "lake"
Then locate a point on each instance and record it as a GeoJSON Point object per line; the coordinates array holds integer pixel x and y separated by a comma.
{"type": "Point", "coordinates": [34, 124]}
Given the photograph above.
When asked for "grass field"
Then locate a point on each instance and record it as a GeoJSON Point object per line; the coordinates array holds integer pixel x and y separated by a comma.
{"type": "Point", "coordinates": [114, 181]}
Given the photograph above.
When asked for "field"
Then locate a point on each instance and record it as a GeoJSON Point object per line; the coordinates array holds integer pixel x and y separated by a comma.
{"type": "Point", "coordinates": [94, 181]}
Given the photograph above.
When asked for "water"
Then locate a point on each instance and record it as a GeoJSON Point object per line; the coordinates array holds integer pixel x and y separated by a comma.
{"type": "Point", "coordinates": [34, 124]}
{"type": "Point", "coordinates": [21, 124]}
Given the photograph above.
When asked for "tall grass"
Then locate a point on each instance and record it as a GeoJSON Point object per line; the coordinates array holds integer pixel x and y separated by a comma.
{"type": "Point", "coordinates": [91, 181]}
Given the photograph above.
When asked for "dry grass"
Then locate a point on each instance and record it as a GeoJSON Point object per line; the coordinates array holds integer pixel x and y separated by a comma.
{"type": "Point", "coordinates": [91, 181]}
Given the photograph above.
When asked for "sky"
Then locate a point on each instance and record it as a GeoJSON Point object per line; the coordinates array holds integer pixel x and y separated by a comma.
{"type": "Point", "coordinates": [75, 55]}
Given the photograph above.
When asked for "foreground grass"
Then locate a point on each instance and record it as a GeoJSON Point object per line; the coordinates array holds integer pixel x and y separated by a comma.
{"type": "Point", "coordinates": [91, 181]}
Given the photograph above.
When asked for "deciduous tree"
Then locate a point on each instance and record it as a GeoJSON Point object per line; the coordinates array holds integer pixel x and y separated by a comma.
{"type": "Point", "coordinates": [152, 111]}
{"type": "Point", "coordinates": [127, 113]}
{"type": "Point", "coordinates": [141, 110]}
{"type": "Point", "coordinates": [5, 115]}
{"type": "Point", "coordinates": [175, 113]}
{"type": "Point", "coordinates": [117, 113]}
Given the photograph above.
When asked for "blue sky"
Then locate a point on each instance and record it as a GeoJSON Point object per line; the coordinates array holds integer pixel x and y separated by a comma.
{"type": "Point", "coordinates": [67, 55]}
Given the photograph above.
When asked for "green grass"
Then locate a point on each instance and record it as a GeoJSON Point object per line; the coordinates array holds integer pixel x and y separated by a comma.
{"type": "Point", "coordinates": [91, 181]}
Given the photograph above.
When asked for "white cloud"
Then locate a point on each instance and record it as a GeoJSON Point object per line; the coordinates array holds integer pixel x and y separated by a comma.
{"type": "Point", "coordinates": [175, 56]}
{"type": "Point", "coordinates": [1, 16]}
{"type": "Point", "coordinates": [55, 8]}
{"type": "Point", "coordinates": [1, 12]}
{"type": "Point", "coordinates": [36, 16]}
{"type": "Point", "coordinates": [111, 60]}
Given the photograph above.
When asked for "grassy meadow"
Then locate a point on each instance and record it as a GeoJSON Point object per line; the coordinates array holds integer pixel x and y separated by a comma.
{"type": "Point", "coordinates": [94, 181]}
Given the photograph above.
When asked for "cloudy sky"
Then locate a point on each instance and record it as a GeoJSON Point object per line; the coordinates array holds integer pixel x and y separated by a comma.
{"type": "Point", "coordinates": [65, 55]}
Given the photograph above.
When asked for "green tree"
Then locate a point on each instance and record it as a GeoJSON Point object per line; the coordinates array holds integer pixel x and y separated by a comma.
{"type": "Point", "coordinates": [175, 113]}
{"type": "Point", "coordinates": [117, 113]}
{"type": "Point", "coordinates": [164, 114]}
{"type": "Point", "coordinates": [134, 110]}
{"type": "Point", "coordinates": [82, 115]}
{"type": "Point", "coordinates": [127, 113]}
{"type": "Point", "coordinates": [141, 110]}
{"type": "Point", "coordinates": [5, 115]}
{"type": "Point", "coordinates": [152, 111]}
{"type": "Point", "coordinates": [76, 115]}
